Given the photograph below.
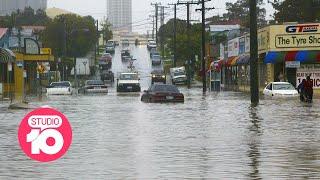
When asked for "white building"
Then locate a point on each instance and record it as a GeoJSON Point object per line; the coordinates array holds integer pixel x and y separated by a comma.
{"type": "Point", "coordinates": [9, 6]}
{"type": "Point", "coordinates": [119, 14]}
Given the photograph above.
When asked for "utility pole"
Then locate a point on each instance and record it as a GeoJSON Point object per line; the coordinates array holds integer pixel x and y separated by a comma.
{"type": "Point", "coordinates": [203, 66]}
{"type": "Point", "coordinates": [153, 25]}
{"type": "Point", "coordinates": [175, 36]}
{"type": "Point", "coordinates": [254, 86]}
{"type": "Point", "coordinates": [190, 54]}
{"type": "Point", "coordinates": [156, 6]}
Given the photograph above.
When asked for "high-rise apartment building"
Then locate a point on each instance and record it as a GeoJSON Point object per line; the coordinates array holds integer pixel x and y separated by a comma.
{"type": "Point", "coordinates": [9, 6]}
{"type": "Point", "coordinates": [119, 14]}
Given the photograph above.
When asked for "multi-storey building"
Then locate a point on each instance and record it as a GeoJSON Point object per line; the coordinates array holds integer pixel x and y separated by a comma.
{"type": "Point", "coordinates": [119, 14]}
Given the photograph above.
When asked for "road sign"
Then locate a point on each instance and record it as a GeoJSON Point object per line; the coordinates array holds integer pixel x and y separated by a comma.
{"type": "Point", "coordinates": [292, 64]}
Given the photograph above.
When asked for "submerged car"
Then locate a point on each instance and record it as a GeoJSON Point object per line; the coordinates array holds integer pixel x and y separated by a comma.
{"type": "Point", "coordinates": [162, 93]}
{"type": "Point", "coordinates": [95, 86]}
{"type": "Point", "coordinates": [158, 76]}
{"type": "Point", "coordinates": [128, 82]}
{"type": "Point", "coordinates": [60, 88]}
{"type": "Point", "coordinates": [280, 89]}
{"type": "Point", "coordinates": [156, 60]}
{"type": "Point", "coordinates": [151, 45]}
{"type": "Point", "coordinates": [125, 55]}
{"type": "Point", "coordinates": [107, 76]}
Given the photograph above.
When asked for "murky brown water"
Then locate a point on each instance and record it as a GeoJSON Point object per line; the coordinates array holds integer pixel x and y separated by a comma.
{"type": "Point", "coordinates": [215, 136]}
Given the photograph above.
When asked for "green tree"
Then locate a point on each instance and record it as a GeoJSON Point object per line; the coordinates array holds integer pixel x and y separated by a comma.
{"type": "Point", "coordinates": [240, 10]}
{"type": "Point", "coordinates": [296, 11]}
{"type": "Point", "coordinates": [106, 31]}
{"type": "Point", "coordinates": [70, 35]}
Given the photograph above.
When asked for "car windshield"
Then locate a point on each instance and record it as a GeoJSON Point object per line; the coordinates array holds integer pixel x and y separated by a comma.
{"type": "Point", "coordinates": [155, 57]}
{"type": "Point", "coordinates": [180, 73]}
{"type": "Point", "coordinates": [94, 82]}
{"type": "Point", "coordinates": [60, 84]}
{"type": "Point", "coordinates": [160, 72]}
{"type": "Point", "coordinates": [283, 87]}
{"type": "Point", "coordinates": [110, 44]}
{"type": "Point", "coordinates": [165, 88]}
{"type": "Point", "coordinates": [129, 77]}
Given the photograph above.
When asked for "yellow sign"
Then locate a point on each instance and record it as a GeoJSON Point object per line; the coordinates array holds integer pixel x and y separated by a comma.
{"type": "Point", "coordinates": [46, 51]}
{"type": "Point", "coordinates": [295, 37]}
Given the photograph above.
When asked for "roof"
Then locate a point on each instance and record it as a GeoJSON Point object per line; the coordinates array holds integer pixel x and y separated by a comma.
{"type": "Point", "coordinates": [3, 31]}
{"type": "Point", "coordinates": [34, 28]}
{"type": "Point", "coordinates": [280, 83]}
{"type": "Point", "coordinates": [53, 12]}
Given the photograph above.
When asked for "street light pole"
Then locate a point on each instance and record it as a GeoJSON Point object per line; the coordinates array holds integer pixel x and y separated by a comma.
{"type": "Point", "coordinates": [204, 79]}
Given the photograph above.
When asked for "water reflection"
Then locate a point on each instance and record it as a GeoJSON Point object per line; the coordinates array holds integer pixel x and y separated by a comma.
{"type": "Point", "coordinates": [254, 142]}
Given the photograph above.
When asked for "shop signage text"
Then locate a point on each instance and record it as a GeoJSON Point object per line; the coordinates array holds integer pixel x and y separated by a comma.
{"type": "Point", "coordinates": [298, 41]}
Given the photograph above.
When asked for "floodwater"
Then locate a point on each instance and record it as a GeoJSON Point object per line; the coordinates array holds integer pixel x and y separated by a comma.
{"type": "Point", "coordinates": [212, 136]}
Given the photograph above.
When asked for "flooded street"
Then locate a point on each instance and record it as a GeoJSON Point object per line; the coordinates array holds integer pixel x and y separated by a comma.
{"type": "Point", "coordinates": [212, 136]}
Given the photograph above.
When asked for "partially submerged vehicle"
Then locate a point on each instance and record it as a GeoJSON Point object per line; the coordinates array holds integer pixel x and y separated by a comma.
{"type": "Point", "coordinates": [60, 88]}
{"type": "Point", "coordinates": [128, 82]}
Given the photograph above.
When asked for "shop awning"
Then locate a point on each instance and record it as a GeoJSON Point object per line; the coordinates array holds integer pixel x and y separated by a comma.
{"type": "Point", "coordinates": [6, 55]}
{"type": "Point", "coordinates": [301, 56]}
{"type": "Point", "coordinates": [243, 60]}
{"type": "Point", "coordinates": [232, 61]}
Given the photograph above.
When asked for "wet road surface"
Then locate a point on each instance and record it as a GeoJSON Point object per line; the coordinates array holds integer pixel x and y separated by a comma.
{"type": "Point", "coordinates": [216, 136]}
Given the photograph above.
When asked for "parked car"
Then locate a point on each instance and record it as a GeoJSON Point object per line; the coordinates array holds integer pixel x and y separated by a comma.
{"type": "Point", "coordinates": [154, 52]}
{"type": "Point", "coordinates": [125, 42]}
{"type": "Point", "coordinates": [280, 89]}
{"type": "Point", "coordinates": [107, 76]}
{"type": "Point", "coordinates": [95, 86]}
{"type": "Point", "coordinates": [105, 61]}
{"type": "Point", "coordinates": [156, 60]}
{"type": "Point", "coordinates": [178, 75]}
{"type": "Point", "coordinates": [110, 47]}
{"type": "Point", "coordinates": [125, 54]}
{"type": "Point", "coordinates": [151, 45]}
{"type": "Point", "coordinates": [60, 88]}
{"type": "Point", "coordinates": [128, 82]}
{"type": "Point", "coordinates": [158, 76]}
{"type": "Point", "coordinates": [162, 93]}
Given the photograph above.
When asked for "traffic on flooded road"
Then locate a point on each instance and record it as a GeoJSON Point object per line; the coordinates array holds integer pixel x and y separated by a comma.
{"type": "Point", "coordinates": [217, 135]}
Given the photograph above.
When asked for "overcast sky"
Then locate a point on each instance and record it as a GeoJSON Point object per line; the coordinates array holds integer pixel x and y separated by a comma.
{"type": "Point", "coordinates": [141, 10]}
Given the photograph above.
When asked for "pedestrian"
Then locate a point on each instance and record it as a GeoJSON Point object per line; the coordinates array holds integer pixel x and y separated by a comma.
{"type": "Point", "coordinates": [308, 86]}
{"type": "Point", "coordinates": [301, 90]}
{"type": "Point", "coordinates": [281, 77]}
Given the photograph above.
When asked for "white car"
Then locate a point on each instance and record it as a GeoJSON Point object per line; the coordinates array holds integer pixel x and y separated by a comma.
{"type": "Point", "coordinates": [60, 88]}
{"type": "Point", "coordinates": [151, 45]}
{"type": "Point", "coordinates": [128, 82]}
{"type": "Point", "coordinates": [95, 86]}
{"type": "Point", "coordinates": [280, 89]}
{"type": "Point", "coordinates": [178, 75]}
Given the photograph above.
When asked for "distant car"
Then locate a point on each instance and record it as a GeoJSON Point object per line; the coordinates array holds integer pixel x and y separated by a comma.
{"type": "Point", "coordinates": [162, 93]}
{"type": "Point", "coordinates": [105, 61]}
{"type": "Point", "coordinates": [178, 75]}
{"type": "Point", "coordinates": [128, 82]}
{"type": "Point", "coordinates": [154, 52]}
{"type": "Point", "coordinates": [60, 88]}
{"type": "Point", "coordinates": [158, 76]}
{"type": "Point", "coordinates": [125, 54]}
{"type": "Point", "coordinates": [156, 60]}
{"type": "Point", "coordinates": [280, 89]}
{"type": "Point", "coordinates": [151, 45]}
{"type": "Point", "coordinates": [107, 76]}
{"type": "Point", "coordinates": [110, 47]}
{"type": "Point", "coordinates": [125, 42]}
{"type": "Point", "coordinates": [95, 86]}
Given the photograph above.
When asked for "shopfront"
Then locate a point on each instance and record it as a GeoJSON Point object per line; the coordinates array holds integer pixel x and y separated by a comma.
{"type": "Point", "coordinates": [294, 52]}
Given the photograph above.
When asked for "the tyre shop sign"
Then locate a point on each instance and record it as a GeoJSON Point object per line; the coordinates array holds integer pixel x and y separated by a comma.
{"type": "Point", "coordinates": [314, 73]}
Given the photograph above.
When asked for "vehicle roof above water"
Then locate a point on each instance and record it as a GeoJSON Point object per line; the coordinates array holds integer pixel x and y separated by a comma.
{"type": "Point", "coordinates": [94, 82]}
{"type": "Point", "coordinates": [164, 88]}
{"type": "Point", "coordinates": [61, 83]}
{"type": "Point", "coordinates": [281, 83]}
{"type": "Point", "coordinates": [158, 71]}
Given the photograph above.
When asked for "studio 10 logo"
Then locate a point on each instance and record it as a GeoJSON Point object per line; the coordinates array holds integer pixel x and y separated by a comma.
{"type": "Point", "coordinates": [45, 134]}
{"type": "Point", "coordinates": [302, 28]}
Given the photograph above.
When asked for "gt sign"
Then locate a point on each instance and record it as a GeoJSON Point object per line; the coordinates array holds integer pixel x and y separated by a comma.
{"type": "Point", "coordinates": [302, 28]}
